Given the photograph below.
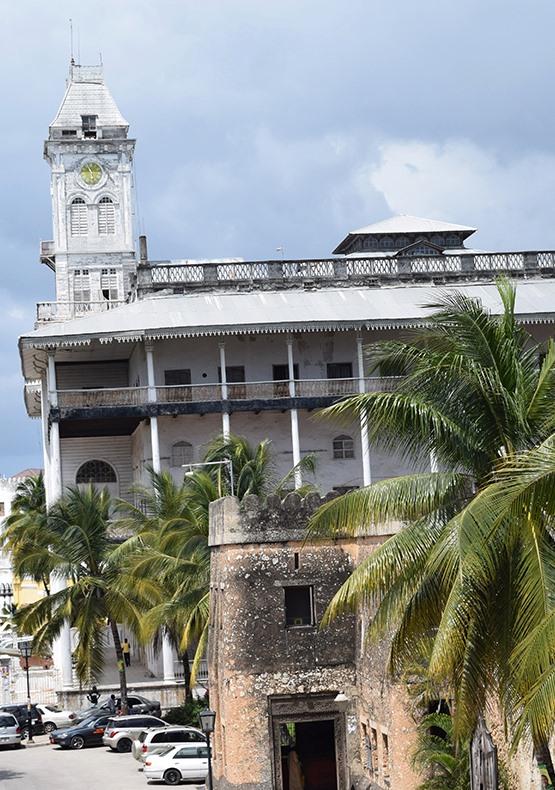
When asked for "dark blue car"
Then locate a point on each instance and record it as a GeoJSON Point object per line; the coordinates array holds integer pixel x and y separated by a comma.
{"type": "Point", "coordinates": [88, 732]}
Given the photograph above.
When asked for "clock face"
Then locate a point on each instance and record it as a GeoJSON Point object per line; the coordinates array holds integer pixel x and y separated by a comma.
{"type": "Point", "coordinates": [91, 173]}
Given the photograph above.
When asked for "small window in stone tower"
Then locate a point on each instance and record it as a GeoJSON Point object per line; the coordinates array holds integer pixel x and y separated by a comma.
{"type": "Point", "coordinates": [88, 124]}
{"type": "Point", "coordinates": [299, 606]}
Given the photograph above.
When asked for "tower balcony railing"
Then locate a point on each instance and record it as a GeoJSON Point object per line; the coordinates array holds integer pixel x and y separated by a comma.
{"type": "Point", "coordinates": [64, 311]}
{"type": "Point", "coordinates": [205, 393]}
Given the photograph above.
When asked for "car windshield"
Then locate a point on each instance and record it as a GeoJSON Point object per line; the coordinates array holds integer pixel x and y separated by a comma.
{"type": "Point", "coordinates": [51, 708]}
{"type": "Point", "coordinates": [7, 721]}
{"type": "Point", "coordinates": [164, 751]}
{"type": "Point", "coordinates": [87, 722]}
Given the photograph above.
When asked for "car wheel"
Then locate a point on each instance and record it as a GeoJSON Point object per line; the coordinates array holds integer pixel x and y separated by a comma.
{"type": "Point", "coordinates": [172, 777]}
{"type": "Point", "coordinates": [124, 745]}
{"type": "Point", "coordinates": [77, 742]}
{"type": "Point", "coordinates": [49, 727]}
{"type": "Point", "coordinates": [24, 732]}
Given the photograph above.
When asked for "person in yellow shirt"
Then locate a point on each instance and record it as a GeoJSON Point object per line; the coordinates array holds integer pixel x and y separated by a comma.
{"type": "Point", "coordinates": [126, 648]}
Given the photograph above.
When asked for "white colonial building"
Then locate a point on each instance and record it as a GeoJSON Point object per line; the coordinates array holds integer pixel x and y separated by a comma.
{"type": "Point", "coordinates": [140, 363]}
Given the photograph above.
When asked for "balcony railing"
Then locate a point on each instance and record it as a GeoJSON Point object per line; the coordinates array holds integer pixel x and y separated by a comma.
{"type": "Point", "coordinates": [64, 311]}
{"type": "Point", "coordinates": [203, 393]}
{"type": "Point", "coordinates": [156, 275]}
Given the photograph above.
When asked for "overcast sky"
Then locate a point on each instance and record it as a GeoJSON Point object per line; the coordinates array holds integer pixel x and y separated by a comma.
{"type": "Point", "coordinates": [279, 123]}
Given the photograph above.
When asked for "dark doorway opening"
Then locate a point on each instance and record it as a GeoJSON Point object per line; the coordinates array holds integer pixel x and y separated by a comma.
{"type": "Point", "coordinates": [308, 756]}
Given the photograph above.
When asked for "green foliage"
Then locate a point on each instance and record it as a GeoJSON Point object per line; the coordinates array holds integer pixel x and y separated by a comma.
{"type": "Point", "coordinates": [469, 568]}
{"type": "Point", "coordinates": [186, 713]}
{"type": "Point", "coordinates": [81, 552]}
{"type": "Point", "coordinates": [444, 764]}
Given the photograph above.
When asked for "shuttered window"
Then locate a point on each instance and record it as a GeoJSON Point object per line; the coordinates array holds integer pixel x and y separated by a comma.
{"type": "Point", "coordinates": [106, 217]}
{"type": "Point", "coordinates": [78, 217]}
{"type": "Point", "coordinates": [81, 285]}
{"type": "Point", "coordinates": [109, 284]}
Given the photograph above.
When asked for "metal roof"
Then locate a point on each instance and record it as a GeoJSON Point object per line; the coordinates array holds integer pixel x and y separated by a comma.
{"type": "Point", "coordinates": [403, 223]}
{"type": "Point", "coordinates": [254, 312]}
{"type": "Point", "coordinates": [87, 94]}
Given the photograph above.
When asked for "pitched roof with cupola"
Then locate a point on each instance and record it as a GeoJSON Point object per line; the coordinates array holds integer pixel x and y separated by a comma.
{"type": "Point", "coordinates": [404, 231]}
{"type": "Point", "coordinates": [87, 89]}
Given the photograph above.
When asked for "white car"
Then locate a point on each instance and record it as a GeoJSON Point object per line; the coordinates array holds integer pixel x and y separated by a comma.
{"type": "Point", "coordinates": [187, 761]}
{"type": "Point", "coordinates": [53, 717]}
{"type": "Point", "coordinates": [10, 731]}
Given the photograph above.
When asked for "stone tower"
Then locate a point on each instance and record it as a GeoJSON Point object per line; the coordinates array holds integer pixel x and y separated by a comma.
{"type": "Point", "coordinates": [91, 161]}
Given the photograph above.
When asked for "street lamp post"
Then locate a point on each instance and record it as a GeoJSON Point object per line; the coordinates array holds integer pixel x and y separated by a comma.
{"type": "Point", "coordinates": [207, 718]}
{"type": "Point", "coordinates": [26, 649]}
{"type": "Point", "coordinates": [226, 462]}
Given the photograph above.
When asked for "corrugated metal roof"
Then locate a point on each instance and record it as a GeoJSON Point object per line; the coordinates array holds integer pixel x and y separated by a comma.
{"type": "Point", "coordinates": [404, 223]}
{"type": "Point", "coordinates": [275, 311]}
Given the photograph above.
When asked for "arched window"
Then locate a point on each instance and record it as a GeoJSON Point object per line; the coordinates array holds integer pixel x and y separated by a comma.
{"type": "Point", "coordinates": [182, 453]}
{"type": "Point", "coordinates": [96, 472]}
{"type": "Point", "coordinates": [106, 216]}
{"type": "Point", "coordinates": [343, 447]}
{"type": "Point", "coordinates": [78, 217]}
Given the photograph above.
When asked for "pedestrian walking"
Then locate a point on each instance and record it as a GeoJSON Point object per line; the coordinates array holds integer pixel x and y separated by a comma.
{"type": "Point", "coordinates": [126, 647]}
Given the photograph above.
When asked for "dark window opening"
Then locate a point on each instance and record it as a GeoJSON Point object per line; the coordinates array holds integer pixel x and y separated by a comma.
{"type": "Point", "coordinates": [175, 378]}
{"type": "Point", "coordinates": [339, 370]}
{"type": "Point", "coordinates": [234, 376]}
{"type": "Point", "coordinates": [280, 374]}
{"type": "Point", "coordinates": [69, 133]}
{"type": "Point", "coordinates": [343, 447]}
{"type": "Point", "coordinates": [88, 124]}
{"type": "Point", "coordinates": [299, 606]}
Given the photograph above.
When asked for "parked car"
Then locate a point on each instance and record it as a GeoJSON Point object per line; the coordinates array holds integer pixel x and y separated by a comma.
{"type": "Point", "coordinates": [53, 718]}
{"type": "Point", "coordinates": [155, 741]}
{"type": "Point", "coordinates": [88, 732]}
{"type": "Point", "coordinates": [10, 731]}
{"type": "Point", "coordinates": [136, 704]}
{"type": "Point", "coordinates": [21, 714]}
{"type": "Point", "coordinates": [177, 763]}
{"type": "Point", "coordinates": [121, 731]}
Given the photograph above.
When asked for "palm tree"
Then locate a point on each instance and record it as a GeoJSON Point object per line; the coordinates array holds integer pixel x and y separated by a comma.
{"type": "Point", "coordinates": [83, 555]}
{"type": "Point", "coordinates": [26, 537]}
{"type": "Point", "coordinates": [168, 560]}
{"type": "Point", "coordinates": [472, 394]}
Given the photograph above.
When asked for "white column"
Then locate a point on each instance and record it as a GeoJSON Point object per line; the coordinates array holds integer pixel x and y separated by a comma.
{"type": "Point", "coordinates": [151, 384]}
{"type": "Point", "coordinates": [226, 427]}
{"type": "Point", "coordinates": [55, 466]}
{"type": "Point", "coordinates": [61, 647]}
{"type": "Point", "coordinates": [44, 409]}
{"type": "Point", "coordinates": [168, 659]}
{"type": "Point", "coordinates": [366, 471]}
{"type": "Point", "coordinates": [295, 439]}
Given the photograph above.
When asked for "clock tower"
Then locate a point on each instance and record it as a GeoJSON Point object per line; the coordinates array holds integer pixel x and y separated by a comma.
{"type": "Point", "coordinates": [91, 161]}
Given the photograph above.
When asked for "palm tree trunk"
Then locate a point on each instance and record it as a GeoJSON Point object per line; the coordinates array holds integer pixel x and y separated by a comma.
{"type": "Point", "coordinates": [543, 758]}
{"type": "Point", "coordinates": [187, 675]}
{"type": "Point", "coordinates": [121, 667]}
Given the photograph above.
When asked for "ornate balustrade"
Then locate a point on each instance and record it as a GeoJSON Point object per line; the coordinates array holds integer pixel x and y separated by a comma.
{"type": "Point", "coordinates": [159, 274]}
{"type": "Point", "coordinates": [203, 393]}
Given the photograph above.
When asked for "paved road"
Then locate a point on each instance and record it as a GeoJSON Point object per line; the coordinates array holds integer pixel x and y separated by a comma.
{"type": "Point", "coordinates": [45, 767]}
